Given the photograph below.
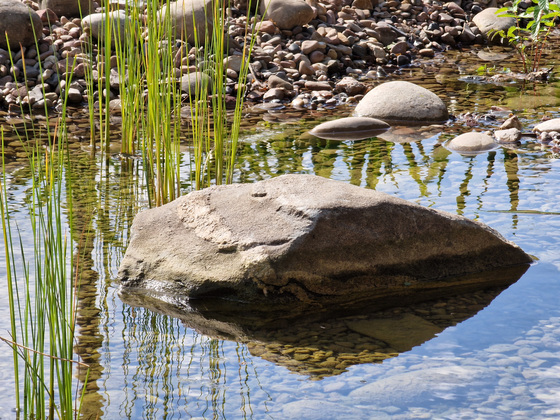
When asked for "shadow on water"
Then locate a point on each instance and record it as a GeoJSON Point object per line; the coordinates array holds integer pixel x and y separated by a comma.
{"type": "Point", "coordinates": [322, 341]}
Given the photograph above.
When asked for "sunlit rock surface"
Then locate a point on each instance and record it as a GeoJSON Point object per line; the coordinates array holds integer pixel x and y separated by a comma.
{"type": "Point", "coordinates": [287, 14]}
{"type": "Point", "coordinates": [350, 128]}
{"type": "Point", "coordinates": [488, 21]}
{"type": "Point", "coordinates": [303, 238]}
{"type": "Point", "coordinates": [18, 24]}
{"type": "Point", "coordinates": [404, 102]}
{"type": "Point", "coordinates": [191, 20]}
{"type": "Point", "coordinates": [472, 143]}
{"type": "Point", "coordinates": [550, 125]}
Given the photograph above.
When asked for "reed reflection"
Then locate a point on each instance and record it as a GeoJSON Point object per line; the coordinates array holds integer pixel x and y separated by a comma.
{"type": "Point", "coordinates": [170, 371]}
{"type": "Point", "coordinates": [101, 219]}
{"type": "Point", "coordinates": [322, 342]}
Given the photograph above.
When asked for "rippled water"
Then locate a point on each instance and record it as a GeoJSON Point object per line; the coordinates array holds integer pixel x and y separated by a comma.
{"type": "Point", "coordinates": [499, 361]}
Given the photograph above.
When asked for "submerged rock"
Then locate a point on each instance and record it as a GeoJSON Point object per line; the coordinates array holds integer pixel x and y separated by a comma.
{"type": "Point", "coordinates": [350, 128]}
{"type": "Point", "coordinates": [303, 238]}
{"type": "Point", "coordinates": [403, 102]}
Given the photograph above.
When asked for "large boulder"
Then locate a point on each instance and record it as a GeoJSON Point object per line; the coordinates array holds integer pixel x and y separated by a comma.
{"type": "Point", "coordinates": [287, 14]}
{"type": "Point", "coordinates": [69, 8]}
{"type": "Point", "coordinates": [19, 24]}
{"type": "Point", "coordinates": [303, 238]}
{"type": "Point", "coordinates": [191, 20]}
{"type": "Point", "coordinates": [402, 102]}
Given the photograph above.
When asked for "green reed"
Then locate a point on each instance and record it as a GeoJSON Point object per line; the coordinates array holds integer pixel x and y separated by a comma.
{"type": "Point", "coordinates": [215, 132]}
{"type": "Point", "coordinates": [42, 292]}
{"type": "Point", "coordinates": [43, 287]}
{"type": "Point", "coordinates": [149, 66]}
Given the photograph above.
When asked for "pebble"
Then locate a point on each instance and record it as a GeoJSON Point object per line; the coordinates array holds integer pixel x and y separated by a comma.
{"type": "Point", "coordinates": [350, 37]}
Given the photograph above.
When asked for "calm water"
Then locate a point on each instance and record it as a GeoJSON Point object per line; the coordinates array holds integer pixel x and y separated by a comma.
{"type": "Point", "coordinates": [500, 360]}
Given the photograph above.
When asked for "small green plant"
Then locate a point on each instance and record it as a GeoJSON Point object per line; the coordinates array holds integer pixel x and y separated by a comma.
{"type": "Point", "coordinates": [530, 34]}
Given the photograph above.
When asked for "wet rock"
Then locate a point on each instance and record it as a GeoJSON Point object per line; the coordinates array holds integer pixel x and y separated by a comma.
{"type": "Point", "coordinates": [19, 24]}
{"type": "Point", "coordinates": [472, 143]}
{"type": "Point", "coordinates": [427, 52]}
{"type": "Point", "coordinates": [68, 8]}
{"type": "Point", "coordinates": [511, 122]}
{"type": "Point", "coordinates": [509, 135]}
{"type": "Point", "coordinates": [189, 17]}
{"type": "Point", "coordinates": [467, 36]}
{"type": "Point", "coordinates": [304, 238]}
{"type": "Point", "coordinates": [350, 128]}
{"type": "Point", "coordinates": [488, 22]}
{"type": "Point", "coordinates": [404, 102]}
{"type": "Point", "coordinates": [287, 14]}
{"type": "Point", "coordinates": [546, 126]}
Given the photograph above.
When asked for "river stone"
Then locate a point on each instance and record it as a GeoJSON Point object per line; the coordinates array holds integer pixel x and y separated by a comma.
{"type": "Point", "coordinates": [304, 238]}
{"type": "Point", "coordinates": [386, 33]}
{"type": "Point", "coordinates": [473, 142]}
{"type": "Point", "coordinates": [190, 17]}
{"type": "Point", "coordinates": [404, 102]}
{"type": "Point", "coordinates": [96, 24]}
{"type": "Point", "coordinates": [488, 21]}
{"type": "Point", "coordinates": [509, 135]}
{"type": "Point", "coordinates": [287, 14]}
{"type": "Point", "coordinates": [191, 83]}
{"type": "Point", "coordinates": [350, 128]}
{"type": "Point", "coordinates": [68, 8]}
{"type": "Point", "coordinates": [550, 125]}
{"type": "Point", "coordinates": [19, 24]}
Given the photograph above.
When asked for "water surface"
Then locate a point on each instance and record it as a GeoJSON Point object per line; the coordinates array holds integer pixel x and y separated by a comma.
{"type": "Point", "coordinates": [484, 360]}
